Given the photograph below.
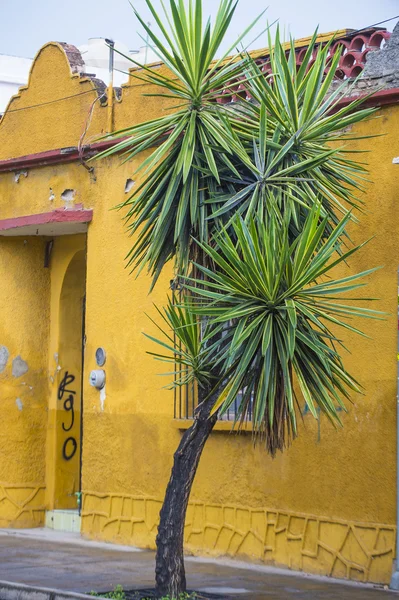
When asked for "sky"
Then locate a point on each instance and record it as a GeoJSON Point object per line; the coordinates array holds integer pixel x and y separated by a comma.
{"type": "Point", "coordinates": [26, 25]}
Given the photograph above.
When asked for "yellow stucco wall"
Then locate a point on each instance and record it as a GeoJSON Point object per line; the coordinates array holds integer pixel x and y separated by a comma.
{"type": "Point", "coordinates": [24, 332]}
{"type": "Point", "coordinates": [327, 505]}
{"type": "Point", "coordinates": [54, 103]}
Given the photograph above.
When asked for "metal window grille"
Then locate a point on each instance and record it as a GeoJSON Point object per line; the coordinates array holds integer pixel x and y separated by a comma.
{"type": "Point", "coordinates": [186, 396]}
{"type": "Point", "coordinates": [186, 401]}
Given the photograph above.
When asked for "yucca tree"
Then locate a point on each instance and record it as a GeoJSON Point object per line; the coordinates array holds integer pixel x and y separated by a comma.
{"type": "Point", "coordinates": [169, 205]}
{"type": "Point", "coordinates": [280, 318]}
{"type": "Point", "coordinates": [294, 131]}
{"type": "Point", "coordinates": [250, 203]}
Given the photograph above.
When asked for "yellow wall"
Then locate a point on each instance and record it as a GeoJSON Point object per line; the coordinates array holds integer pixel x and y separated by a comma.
{"type": "Point", "coordinates": [327, 505]}
{"type": "Point", "coordinates": [24, 332]}
{"type": "Point", "coordinates": [54, 103]}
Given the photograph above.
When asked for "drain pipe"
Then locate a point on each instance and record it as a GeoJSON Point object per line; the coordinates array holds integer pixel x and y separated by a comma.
{"type": "Point", "coordinates": [110, 92]}
{"type": "Point", "coordinates": [395, 577]}
{"type": "Point", "coordinates": [147, 44]}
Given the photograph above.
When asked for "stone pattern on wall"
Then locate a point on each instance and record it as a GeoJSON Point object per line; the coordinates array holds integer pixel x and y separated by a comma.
{"type": "Point", "coordinates": [327, 546]}
{"type": "Point", "coordinates": [22, 505]}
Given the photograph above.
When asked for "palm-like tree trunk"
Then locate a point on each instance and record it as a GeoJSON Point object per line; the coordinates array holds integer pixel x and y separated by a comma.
{"type": "Point", "coordinates": [169, 571]}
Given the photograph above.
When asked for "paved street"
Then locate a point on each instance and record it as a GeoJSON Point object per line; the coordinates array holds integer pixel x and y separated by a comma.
{"type": "Point", "coordinates": [65, 562]}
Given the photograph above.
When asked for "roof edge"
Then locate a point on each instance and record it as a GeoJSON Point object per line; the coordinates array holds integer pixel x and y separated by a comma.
{"type": "Point", "coordinates": [74, 154]}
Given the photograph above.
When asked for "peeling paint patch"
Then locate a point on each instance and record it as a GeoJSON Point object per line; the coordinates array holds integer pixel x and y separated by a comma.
{"type": "Point", "coordinates": [4, 356]}
{"type": "Point", "coordinates": [19, 404]}
{"type": "Point", "coordinates": [102, 398]}
{"type": "Point", "coordinates": [57, 368]}
{"type": "Point", "coordinates": [19, 174]}
{"type": "Point", "coordinates": [52, 195]}
{"type": "Point", "coordinates": [19, 367]}
{"type": "Point", "coordinates": [129, 184]}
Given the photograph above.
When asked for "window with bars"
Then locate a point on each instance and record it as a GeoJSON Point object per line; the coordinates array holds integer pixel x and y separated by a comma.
{"type": "Point", "coordinates": [186, 401]}
{"type": "Point", "coordinates": [186, 396]}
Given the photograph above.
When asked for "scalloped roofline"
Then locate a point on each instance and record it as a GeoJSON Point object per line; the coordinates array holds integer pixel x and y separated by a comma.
{"type": "Point", "coordinates": [76, 67]}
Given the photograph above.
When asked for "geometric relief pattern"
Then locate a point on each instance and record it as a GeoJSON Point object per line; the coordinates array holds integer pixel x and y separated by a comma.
{"type": "Point", "coordinates": [334, 547]}
{"type": "Point", "coordinates": [22, 505]}
{"type": "Point", "coordinates": [121, 517]}
{"type": "Point", "coordinates": [310, 543]}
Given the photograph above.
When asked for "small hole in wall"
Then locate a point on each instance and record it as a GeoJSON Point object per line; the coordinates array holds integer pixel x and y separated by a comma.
{"type": "Point", "coordinates": [68, 195]}
{"type": "Point", "coordinates": [128, 185]}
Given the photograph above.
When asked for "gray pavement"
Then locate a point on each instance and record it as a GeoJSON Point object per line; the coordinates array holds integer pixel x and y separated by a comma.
{"type": "Point", "coordinates": [66, 562]}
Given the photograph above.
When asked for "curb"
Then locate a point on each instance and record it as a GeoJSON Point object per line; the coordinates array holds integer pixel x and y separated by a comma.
{"type": "Point", "coordinates": [19, 591]}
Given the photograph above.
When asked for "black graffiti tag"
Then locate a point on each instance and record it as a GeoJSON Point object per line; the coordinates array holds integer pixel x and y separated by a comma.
{"type": "Point", "coordinates": [67, 455]}
{"type": "Point", "coordinates": [68, 407]}
{"type": "Point", "coordinates": [62, 388]}
{"type": "Point", "coordinates": [70, 445]}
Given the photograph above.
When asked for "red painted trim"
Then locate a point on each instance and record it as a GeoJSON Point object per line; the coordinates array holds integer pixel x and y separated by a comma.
{"type": "Point", "coordinates": [51, 157]}
{"type": "Point", "coordinates": [57, 216]}
{"type": "Point", "coordinates": [380, 98]}
{"type": "Point", "coordinates": [67, 155]}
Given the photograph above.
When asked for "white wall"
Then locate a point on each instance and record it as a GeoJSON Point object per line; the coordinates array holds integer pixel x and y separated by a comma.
{"type": "Point", "coordinates": [14, 72]}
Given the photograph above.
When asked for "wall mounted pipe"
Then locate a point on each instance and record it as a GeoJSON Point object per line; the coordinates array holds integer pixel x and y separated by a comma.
{"type": "Point", "coordinates": [394, 585]}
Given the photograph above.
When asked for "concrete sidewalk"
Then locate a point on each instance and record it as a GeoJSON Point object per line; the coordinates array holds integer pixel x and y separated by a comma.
{"type": "Point", "coordinates": [44, 558]}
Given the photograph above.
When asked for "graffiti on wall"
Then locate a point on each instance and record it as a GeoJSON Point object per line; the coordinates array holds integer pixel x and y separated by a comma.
{"type": "Point", "coordinates": [66, 389]}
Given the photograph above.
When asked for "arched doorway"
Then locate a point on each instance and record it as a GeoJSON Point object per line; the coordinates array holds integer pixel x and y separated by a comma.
{"type": "Point", "coordinates": [69, 391]}
{"type": "Point", "coordinates": [68, 287]}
